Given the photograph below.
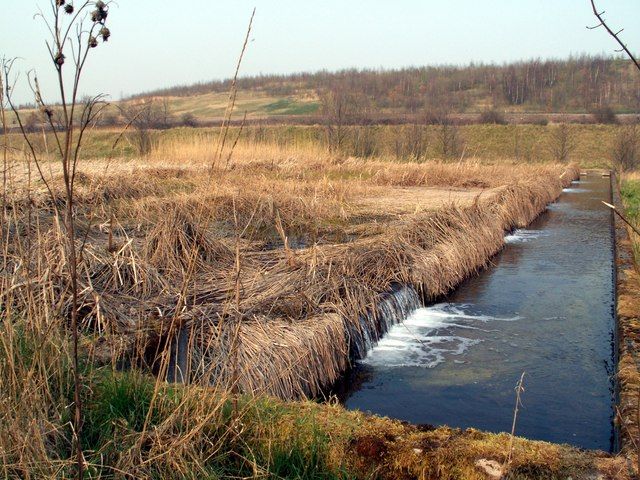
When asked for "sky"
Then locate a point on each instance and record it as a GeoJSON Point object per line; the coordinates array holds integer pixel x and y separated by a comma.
{"type": "Point", "coordinates": [160, 43]}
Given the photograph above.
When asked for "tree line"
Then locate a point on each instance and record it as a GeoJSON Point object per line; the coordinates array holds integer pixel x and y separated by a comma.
{"type": "Point", "coordinates": [577, 84]}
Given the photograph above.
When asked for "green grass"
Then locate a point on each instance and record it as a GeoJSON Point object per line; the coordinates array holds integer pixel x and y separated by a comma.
{"type": "Point", "coordinates": [287, 106]}
{"type": "Point", "coordinates": [116, 406]}
{"type": "Point", "coordinates": [630, 191]}
{"type": "Point", "coordinates": [116, 402]}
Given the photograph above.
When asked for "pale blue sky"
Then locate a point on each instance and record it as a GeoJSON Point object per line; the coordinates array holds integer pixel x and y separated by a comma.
{"type": "Point", "coordinates": [161, 43]}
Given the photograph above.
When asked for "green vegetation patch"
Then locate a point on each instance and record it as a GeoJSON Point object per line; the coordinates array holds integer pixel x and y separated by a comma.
{"type": "Point", "coordinates": [630, 190]}
{"type": "Point", "coordinates": [287, 106]}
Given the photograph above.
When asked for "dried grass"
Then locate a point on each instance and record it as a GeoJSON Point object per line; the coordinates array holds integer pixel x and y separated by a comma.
{"type": "Point", "coordinates": [432, 252]}
{"type": "Point", "coordinates": [303, 309]}
{"type": "Point", "coordinates": [169, 217]}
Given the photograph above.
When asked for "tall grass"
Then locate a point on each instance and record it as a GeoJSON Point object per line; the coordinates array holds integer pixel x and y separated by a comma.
{"type": "Point", "coordinates": [485, 143]}
{"type": "Point", "coordinates": [488, 143]}
{"type": "Point", "coordinates": [163, 245]}
{"type": "Point", "coordinates": [155, 230]}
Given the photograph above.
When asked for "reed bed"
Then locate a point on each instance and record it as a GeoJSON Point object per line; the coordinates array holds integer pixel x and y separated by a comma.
{"type": "Point", "coordinates": [432, 253]}
{"type": "Point", "coordinates": [282, 258]}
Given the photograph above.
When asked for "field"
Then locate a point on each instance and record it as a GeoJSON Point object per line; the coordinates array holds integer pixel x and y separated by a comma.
{"type": "Point", "coordinates": [235, 279]}
{"type": "Point", "coordinates": [589, 145]}
{"type": "Point", "coordinates": [253, 270]}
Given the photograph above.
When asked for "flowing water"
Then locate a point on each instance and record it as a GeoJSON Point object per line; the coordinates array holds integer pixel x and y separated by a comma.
{"type": "Point", "coordinates": [545, 306]}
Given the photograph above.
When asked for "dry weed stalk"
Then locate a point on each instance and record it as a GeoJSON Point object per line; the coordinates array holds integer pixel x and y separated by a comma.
{"type": "Point", "coordinates": [231, 103]}
{"type": "Point", "coordinates": [176, 326]}
{"type": "Point", "coordinates": [68, 142]}
{"type": "Point", "coordinates": [519, 391]}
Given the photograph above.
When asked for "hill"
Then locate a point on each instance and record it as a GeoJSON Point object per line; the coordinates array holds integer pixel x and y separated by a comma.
{"type": "Point", "coordinates": [575, 85]}
{"type": "Point", "coordinates": [535, 91]}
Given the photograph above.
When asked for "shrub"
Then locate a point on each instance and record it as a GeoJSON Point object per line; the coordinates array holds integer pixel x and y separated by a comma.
{"type": "Point", "coordinates": [626, 149]}
{"type": "Point", "coordinates": [493, 116]}
{"type": "Point", "coordinates": [189, 120]}
{"type": "Point", "coordinates": [539, 120]}
{"type": "Point", "coordinates": [109, 120]}
{"type": "Point", "coordinates": [604, 115]}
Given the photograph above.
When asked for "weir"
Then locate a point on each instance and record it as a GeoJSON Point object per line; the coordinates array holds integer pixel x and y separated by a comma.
{"type": "Point", "coordinates": [391, 310]}
{"type": "Point", "coordinates": [545, 307]}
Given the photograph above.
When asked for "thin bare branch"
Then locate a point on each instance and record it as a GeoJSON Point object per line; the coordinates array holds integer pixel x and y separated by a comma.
{"type": "Point", "coordinates": [615, 35]}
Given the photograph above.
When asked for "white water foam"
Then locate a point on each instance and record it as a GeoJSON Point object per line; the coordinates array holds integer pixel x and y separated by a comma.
{"type": "Point", "coordinates": [522, 236]}
{"type": "Point", "coordinates": [425, 339]}
{"type": "Point", "coordinates": [574, 190]}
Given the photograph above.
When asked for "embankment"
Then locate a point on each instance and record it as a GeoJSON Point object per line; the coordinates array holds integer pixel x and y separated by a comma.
{"type": "Point", "coordinates": [336, 289]}
{"type": "Point", "coordinates": [628, 335]}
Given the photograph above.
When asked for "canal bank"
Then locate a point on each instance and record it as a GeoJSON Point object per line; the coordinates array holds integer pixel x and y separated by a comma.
{"type": "Point", "coordinates": [628, 334]}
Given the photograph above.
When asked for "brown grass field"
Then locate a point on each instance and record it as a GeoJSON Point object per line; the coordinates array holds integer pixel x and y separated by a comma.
{"type": "Point", "coordinates": [247, 270]}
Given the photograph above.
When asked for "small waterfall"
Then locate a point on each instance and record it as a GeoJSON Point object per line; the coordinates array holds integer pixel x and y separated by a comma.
{"type": "Point", "coordinates": [393, 308]}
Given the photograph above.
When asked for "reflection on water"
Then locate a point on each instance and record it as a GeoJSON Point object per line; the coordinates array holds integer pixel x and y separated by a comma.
{"type": "Point", "coordinates": [544, 307]}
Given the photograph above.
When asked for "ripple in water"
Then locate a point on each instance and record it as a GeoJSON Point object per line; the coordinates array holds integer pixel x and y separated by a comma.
{"type": "Point", "coordinates": [522, 236]}
{"type": "Point", "coordinates": [425, 338]}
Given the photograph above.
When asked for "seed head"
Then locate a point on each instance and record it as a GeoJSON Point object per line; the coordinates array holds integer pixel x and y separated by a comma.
{"type": "Point", "coordinates": [59, 59]}
{"type": "Point", "coordinates": [99, 15]}
{"type": "Point", "coordinates": [60, 3]}
{"type": "Point", "coordinates": [93, 42]}
{"type": "Point", "coordinates": [68, 8]}
{"type": "Point", "coordinates": [105, 33]}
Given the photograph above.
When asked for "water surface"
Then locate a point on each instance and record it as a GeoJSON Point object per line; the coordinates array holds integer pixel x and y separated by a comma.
{"type": "Point", "coordinates": [545, 307]}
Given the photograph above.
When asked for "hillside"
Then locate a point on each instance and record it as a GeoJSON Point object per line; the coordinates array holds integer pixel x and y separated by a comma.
{"type": "Point", "coordinates": [574, 85]}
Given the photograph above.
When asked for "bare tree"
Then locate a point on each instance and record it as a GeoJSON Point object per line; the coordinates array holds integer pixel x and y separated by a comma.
{"type": "Point", "coordinates": [364, 140]}
{"type": "Point", "coordinates": [339, 108]}
{"type": "Point", "coordinates": [562, 142]}
{"type": "Point", "coordinates": [626, 149]}
{"type": "Point", "coordinates": [448, 135]}
{"type": "Point", "coordinates": [411, 142]}
{"type": "Point", "coordinates": [73, 35]}
{"type": "Point", "coordinates": [166, 118]}
{"type": "Point", "coordinates": [365, 134]}
{"type": "Point", "coordinates": [145, 117]}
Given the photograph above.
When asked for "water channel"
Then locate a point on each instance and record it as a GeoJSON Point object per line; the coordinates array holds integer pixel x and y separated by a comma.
{"type": "Point", "coordinates": [545, 306]}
